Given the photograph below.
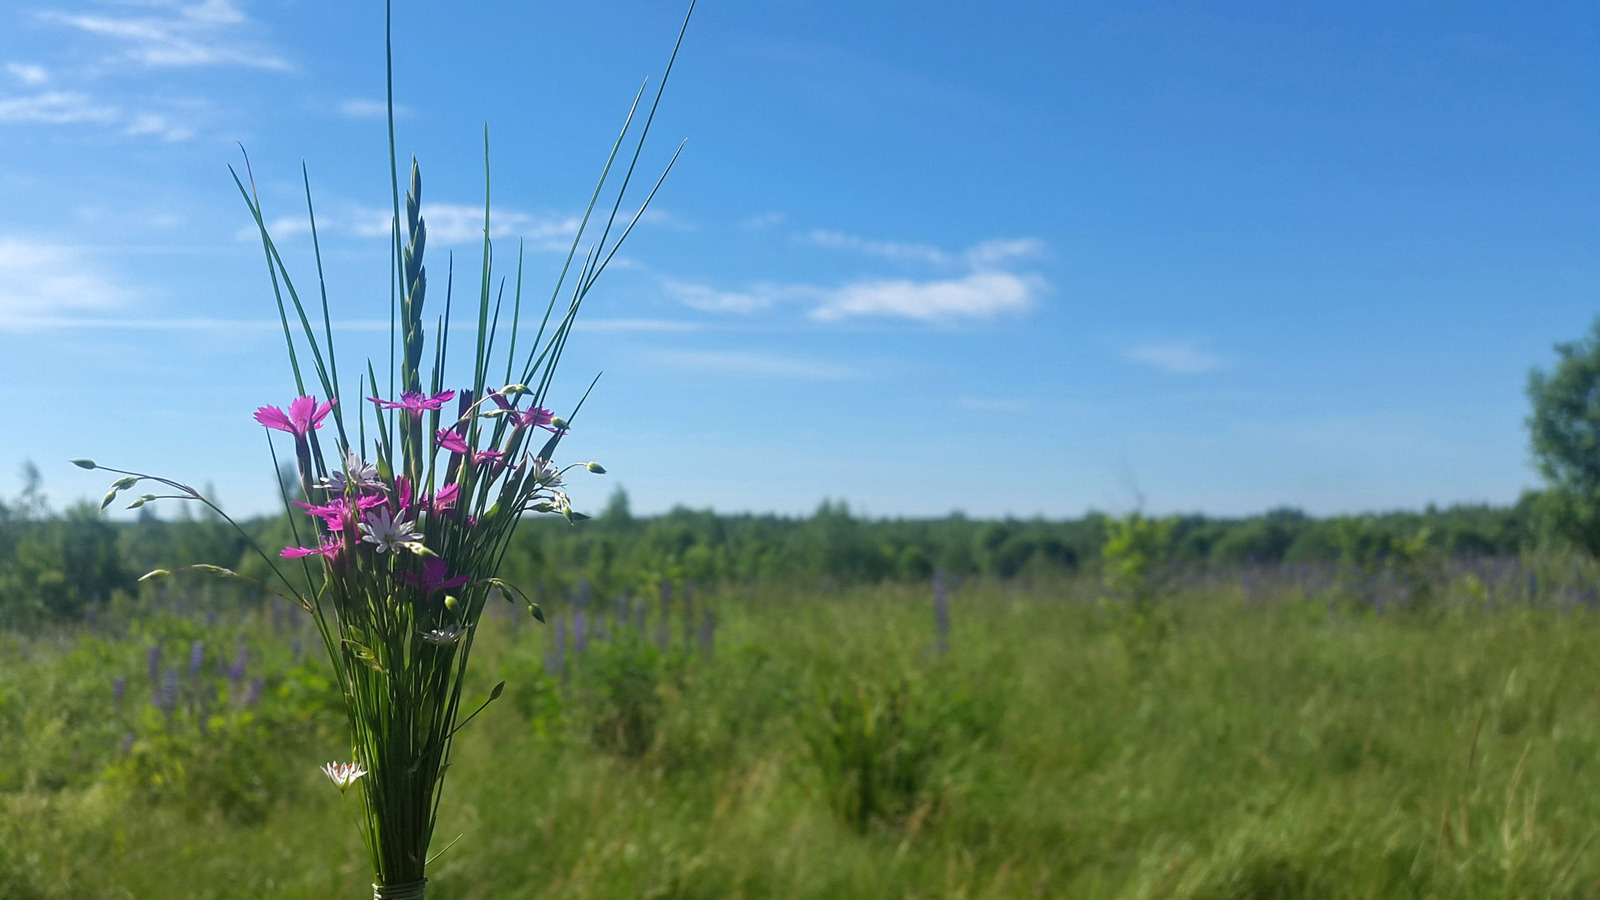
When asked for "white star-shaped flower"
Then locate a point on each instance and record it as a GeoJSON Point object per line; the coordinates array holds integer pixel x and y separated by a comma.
{"type": "Point", "coordinates": [390, 532]}
{"type": "Point", "coordinates": [343, 774]}
{"type": "Point", "coordinates": [445, 636]}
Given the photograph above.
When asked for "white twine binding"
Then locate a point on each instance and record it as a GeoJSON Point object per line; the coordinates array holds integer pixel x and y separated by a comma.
{"type": "Point", "coordinates": [412, 891]}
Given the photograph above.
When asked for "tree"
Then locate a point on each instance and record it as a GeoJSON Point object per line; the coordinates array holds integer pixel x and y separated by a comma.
{"type": "Point", "coordinates": [1564, 430]}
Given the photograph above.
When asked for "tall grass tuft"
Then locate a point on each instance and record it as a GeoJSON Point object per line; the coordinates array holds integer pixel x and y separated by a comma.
{"type": "Point", "coordinates": [406, 533]}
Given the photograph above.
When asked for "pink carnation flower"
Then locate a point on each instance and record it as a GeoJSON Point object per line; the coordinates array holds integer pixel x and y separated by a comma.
{"type": "Point", "coordinates": [304, 415]}
{"type": "Point", "coordinates": [414, 403]}
{"type": "Point", "coordinates": [455, 443]}
{"type": "Point", "coordinates": [434, 576]}
{"type": "Point", "coordinates": [334, 512]}
{"type": "Point", "coordinates": [328, 548]}
{"type": "Point", "coordinates": [534, 416]}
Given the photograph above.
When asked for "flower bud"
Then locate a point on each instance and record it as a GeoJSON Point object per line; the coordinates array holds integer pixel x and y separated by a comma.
{"type": "Point", "coordinates": [85, 463]}
{"type": "Point", "coordinates": [450, 601]}
{"type": "Point", "coordinates": [122, 484]}
{"type": "Point", "coordinates": [558, 423]}
{"type": "Point", "coordinates": [110, 496]}
{"type": "Point", "coordinates": [596, 468]}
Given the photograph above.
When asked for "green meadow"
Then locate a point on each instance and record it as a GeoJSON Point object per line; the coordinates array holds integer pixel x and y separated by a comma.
{"type": "Point", "coordinates": [1259, 735]}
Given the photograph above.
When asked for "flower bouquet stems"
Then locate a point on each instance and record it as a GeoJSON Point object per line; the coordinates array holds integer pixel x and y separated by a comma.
{"type": "Point", "coordinates": [401, 538]}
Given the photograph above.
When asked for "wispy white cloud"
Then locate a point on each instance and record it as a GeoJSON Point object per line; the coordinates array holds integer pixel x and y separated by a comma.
{"type": "Point", "coordinates": [448, 223]}
{"type": "Point", "coordinates": [73, 108]}
{"type": "Point", "coordinates": [890, 250]}
{"type": "Point", "coordinates": [987, 290]}
{"type": "Point", "coordinates": [763, 221]}
{"type": "Point", "coordinates": [30, 74]}
{"type": "Point", "coordinates": [362, 108]}
{"type": "Point", "coordinates": [663, 219]}
{"type": "Point", "coordinates": [462, 223]}
{"type": "Point", "coordinates": [993, 253]}
{"type": "Point", "coordinates": [97, 321]}
{"type": "Point", "coordinates": [756, 364]}
{"type": "Point", "coordinates": [159, 125]}
{"type": "Point", "coordinates": [171, 34]}
{"type": "Point", "coordinates": [990, 254]}
{"type": "Point", "coordinates": [39, 279]}
{"type": "Point", "coordinates": [981, 295]}
{"type": "Point", "coordinates": [752, 299]}
{"type": "Point", "coordinates": [1175, 357]}
{"type": "Point", "coordinates": [57, 108]}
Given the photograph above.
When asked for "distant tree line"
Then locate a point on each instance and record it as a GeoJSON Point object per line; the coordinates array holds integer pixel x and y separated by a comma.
{"type": "Point", "coordinates": [55, 565]}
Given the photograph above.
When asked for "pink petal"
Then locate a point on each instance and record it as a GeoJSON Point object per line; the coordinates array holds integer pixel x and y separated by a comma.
{"type": "Point", "coordinates": [322, 413]}
{"type": "Point", "coordinates": [273, 417]}
{"type": "Point", "coordinates": [300, 412]}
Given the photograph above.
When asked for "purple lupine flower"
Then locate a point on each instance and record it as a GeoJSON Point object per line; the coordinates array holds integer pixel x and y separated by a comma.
{"type": "Point", "coordinates": [153, 660]}
{"type": "Point", "coordinates": [663, 635]}
{"type": "Point", "coordinates": [303, 416]}
{"type": "Point", "coordinates": [708, 634]}
{"type": "Point", "coordinates": [166, 698]}
{"type": "Point", "coordinates": [236, 671]}
{"type": "Point", "coordinates": [941, 610]}
{"type": "Point", "coordinates": [556, 658]}
{"type": "Point", "coordinates": [197, 657]}
{"type": "Point", "coordinates": [413, 403]}
{"type": "Point", "coordinates": [211, 619]}
{"type": "Point", "coordinates": [580, 633]}
{"type": "Point", "coordinates": [118, 688]}
{"type": "Point", "coordinates": [688, 615]}
{"type": "Point", "coordinates": [295, 649]}
{"type": "Point", "coordinates": [256, 685]}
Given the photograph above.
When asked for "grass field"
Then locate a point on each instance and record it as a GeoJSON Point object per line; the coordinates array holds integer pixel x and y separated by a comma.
{"type": "Point", "coordinates": [1273, 745]}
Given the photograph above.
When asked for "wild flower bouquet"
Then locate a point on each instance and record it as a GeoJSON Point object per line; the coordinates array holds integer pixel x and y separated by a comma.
{"type": "Point", "coordinates": [401, 536]}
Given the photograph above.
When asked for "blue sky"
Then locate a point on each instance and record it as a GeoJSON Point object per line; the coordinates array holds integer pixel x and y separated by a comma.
{"type": "Point", "coordinates": [1006, 258]}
